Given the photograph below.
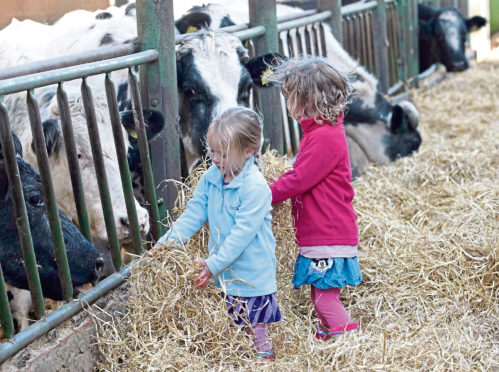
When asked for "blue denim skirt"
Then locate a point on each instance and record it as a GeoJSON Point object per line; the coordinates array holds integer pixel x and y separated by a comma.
{"type": "Point", "coordinates": [324, 273]}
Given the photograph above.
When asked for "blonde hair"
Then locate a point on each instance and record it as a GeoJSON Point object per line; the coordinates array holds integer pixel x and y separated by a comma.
{"type": "Point", "coordinates": [312, 87]}
{"type": "Point", "coordinates": [237, 129]}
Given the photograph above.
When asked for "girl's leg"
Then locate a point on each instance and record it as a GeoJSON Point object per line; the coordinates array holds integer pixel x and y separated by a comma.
{"type": "Point", "coordinates": [261, 338]}
{"type": "Point", "coordinates": [329, 308]}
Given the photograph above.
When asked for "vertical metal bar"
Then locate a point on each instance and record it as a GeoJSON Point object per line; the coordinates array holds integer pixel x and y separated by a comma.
{"type": "Point", "coordinates": [121, 153]}
{"type": "Point", "coordinates": [313, 41]}
{"type": "Point", "coordinates": [150, 191]}
{"type": "Point", "coordinates": [5, 314]}
{"type": "Point", "coordinates": [22, 222]}
{"type": "Point", "coordinates": [413, 41]}
{"type": "Point", "coordinates": [263, 13]}
{"type": "Point", "coordinates": [379, 31]}
{"type": "Point", "coordinates": [100, 172]}
{"type": "Point", "coordinates": [50, 201]}
{"type": "Point", "coordinates": [155, 26]}
{"type": "Point", "coordinates": [335, 22]}
{"type": "Point", "coordinates": [74, 168]}
{"type": "Point", "coordinates": [319, 37]}
{"type": "Point", "coordinates": [402, 31]}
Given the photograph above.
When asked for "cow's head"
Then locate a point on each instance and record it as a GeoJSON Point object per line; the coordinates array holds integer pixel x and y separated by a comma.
{"type": "Point", "coordinates": [211, 16]}
{"type": "Point", "coordinates": [442, 34]}
{"type": "Point", "coordinates": [212, 75]}
{"type": "Point", "coordinates": [56, 150]}
{"type": "Point", "coordinates": [382, 143]}
{"type": "Point", "coordinates": [83, 259]}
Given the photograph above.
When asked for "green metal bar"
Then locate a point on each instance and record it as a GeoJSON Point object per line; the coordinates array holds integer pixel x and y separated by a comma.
{"type": "Point", "coordinates": [50, 200]}
{"type": "Point", "coordinates": [150, 190]}
{"type": "Point", "coordinates": [22, 339]}
{"type": "Point", "coordinates": [359, 8]}
{"type": "Point", "coordinates": [334, 6]}
{"type": "Point", "coordinates": [263, 13]}
{"type": "Point", "coordinates": [22, 222]}
{"type": "Point", "coordinates": [5, 314]}
{"type": "Point", "coordinates": [100, 172]}
{"type": "Point", "coordinates": [68, 60]}
{"type": "Point", "coordinates": [121, 154]}
{"type": "Point", "coordinates": [74, 168]}
{"type": "Point", "coordinates": [403, 36]}
{"type": "Point", "coordinates": [413, 58]}
{"type": "Point", "coordinates": [250, 33]}
{"type": "Point", "coordinates": [75, 72]}
{"type": "Point", "coordinates": [381, 46]}
{"type": "Point", "coordinates": [319, 17]}
{"type": "Point", "coordinates": [155, 26]}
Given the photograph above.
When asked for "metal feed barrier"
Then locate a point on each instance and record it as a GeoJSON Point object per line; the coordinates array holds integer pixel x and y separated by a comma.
{"type": "Point", "coordinates": [381, 34]}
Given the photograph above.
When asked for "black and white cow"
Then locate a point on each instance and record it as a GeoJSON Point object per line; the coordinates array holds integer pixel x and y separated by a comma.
{"type": "Point", "coordinates": [85, 264]}
{"type": "Point", "coordinates": [378, 131]}
{"type": "Point", "coordinates": [442, 35]}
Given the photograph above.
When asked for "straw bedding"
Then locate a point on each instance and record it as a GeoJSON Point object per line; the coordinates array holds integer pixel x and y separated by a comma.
{"type": "Point", "coordinates": [428, 229]}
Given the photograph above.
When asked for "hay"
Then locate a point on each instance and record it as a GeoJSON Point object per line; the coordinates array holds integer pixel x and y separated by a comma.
{"type": "Point", "coordinates": [428, 251]}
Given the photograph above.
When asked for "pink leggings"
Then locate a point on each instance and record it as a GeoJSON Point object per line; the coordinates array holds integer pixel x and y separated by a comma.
{"type": "Point", "coordinates": [328, 307]}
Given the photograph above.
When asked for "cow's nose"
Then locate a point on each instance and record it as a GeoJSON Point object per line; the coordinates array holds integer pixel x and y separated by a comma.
{"type": "Point", "coordinates": [459, 66]}
{"type": "Point", "coordinates": [99, 265]}
{"type": "Point", "coordinates": [124, 221]}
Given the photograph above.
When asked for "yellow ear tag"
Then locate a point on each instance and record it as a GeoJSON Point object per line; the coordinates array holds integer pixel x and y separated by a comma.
{"type": "Point", "coordinates": [133, 133]}
{"type": "Point", "coordinates": [265, 76]}
{"type": "Point", "coordinates": [473, 28]}
{"type": "Point", "coordinates": [191, 29]}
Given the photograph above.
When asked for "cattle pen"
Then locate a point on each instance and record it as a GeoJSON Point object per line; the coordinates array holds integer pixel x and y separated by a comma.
{"type": "Point", "coordinates": [380, 34]}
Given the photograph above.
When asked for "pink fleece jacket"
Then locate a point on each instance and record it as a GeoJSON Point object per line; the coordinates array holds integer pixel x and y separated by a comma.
{"type": "Point", "coordinates": [319, 186]}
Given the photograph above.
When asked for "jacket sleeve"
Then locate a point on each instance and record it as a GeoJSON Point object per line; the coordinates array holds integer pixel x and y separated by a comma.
{"type": "Point", "coordinates": [249, 218]}
{"type": "Point", "coordinates": [194, 216]}
{"type": "Point", "coordinates": [317, 159]}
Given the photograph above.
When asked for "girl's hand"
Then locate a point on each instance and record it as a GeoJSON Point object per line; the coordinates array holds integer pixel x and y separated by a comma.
{"type": "Point", "coordinates": [154, 251]}
{"type": "Point", "coordinates": [203, 278]}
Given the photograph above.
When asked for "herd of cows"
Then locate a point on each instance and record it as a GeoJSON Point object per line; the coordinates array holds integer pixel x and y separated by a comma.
{"type": "Point", "coordinates": [213, 74]}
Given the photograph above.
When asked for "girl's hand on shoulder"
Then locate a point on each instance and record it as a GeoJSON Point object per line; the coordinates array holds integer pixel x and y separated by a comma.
{"type": "Point", "coordinates": [202, 280]}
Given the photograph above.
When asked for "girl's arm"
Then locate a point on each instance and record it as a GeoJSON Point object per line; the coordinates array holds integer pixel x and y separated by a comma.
{"type": "Point", "coordinates": [249, 218]}
{"type": "Point", "coordinates": [194, 216]}
{"type": "Point", "coordinates": [317, 160]}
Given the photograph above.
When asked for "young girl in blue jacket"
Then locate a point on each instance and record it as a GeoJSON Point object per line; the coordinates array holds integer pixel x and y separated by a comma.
{"type": "Point", "coordinates": [236, 200]}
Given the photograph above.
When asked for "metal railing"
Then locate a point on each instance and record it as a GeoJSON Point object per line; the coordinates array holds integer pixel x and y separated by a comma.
{"type": "Point", "coordinates": [59, 76]}
{"type": "Point", "coordinates": [291, 35]}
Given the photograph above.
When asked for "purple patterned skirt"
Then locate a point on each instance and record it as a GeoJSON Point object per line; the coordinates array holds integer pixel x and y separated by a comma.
{"type": "Point", "coordinates": [253, 310]}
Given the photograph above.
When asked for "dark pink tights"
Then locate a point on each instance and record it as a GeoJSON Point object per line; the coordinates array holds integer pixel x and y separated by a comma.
{"type": "Point", "coordinates": [328, 307]}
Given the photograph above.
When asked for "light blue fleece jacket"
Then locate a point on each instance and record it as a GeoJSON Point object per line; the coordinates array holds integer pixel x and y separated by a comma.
{"type": "Point", "coordinates": [241, 245]}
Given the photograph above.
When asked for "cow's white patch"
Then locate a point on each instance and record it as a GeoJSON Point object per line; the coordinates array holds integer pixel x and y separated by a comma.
{"type": "Point", "coordinates": [217, 62]}
{"type": "Point", "coordinates": [449, 21]}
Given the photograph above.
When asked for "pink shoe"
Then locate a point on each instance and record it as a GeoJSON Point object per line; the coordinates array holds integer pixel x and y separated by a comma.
{"type": "Point", "coordinates": [326, 334]}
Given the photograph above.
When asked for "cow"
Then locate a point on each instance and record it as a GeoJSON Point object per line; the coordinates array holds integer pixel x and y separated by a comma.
{"type": "Point", "coordinates": [378, 131]}
{"type": "Point", "coordinates": [442, 35]}
{"type": "Point", "coordinates": [85, 264]}
{"type": "Point", "coordinates": [50, 117]}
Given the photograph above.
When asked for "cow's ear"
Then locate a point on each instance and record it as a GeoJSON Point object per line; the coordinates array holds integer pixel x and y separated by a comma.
{"type": "Point", "coordinates": [51, 132]}
{"type": "Point", "coordinates": [475, 23]}
{"type": "Point", "coordinates": [260, 68]}
{"type": "Point", "coordinates": [399, 120]}
{"type": "Point", "coordinates": [192, 22]}
{"type": "Point", "coordinates": [4, 182]}
{"type": "Point", "coordinates": [153, 120]}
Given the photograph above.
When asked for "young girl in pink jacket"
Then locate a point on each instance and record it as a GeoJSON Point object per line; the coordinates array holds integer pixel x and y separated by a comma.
{"type": "Point", "coordinates": [320, 190]}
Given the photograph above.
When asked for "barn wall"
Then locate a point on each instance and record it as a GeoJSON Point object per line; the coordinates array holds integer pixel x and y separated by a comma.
{"type": "Point", "coordinates": [45, 11]}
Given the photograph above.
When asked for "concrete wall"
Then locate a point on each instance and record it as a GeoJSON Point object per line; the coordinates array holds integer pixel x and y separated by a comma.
{"type": "Point", "coordinates": [70, 346]}
{"type": "Point", "coordinates": [45, 11]}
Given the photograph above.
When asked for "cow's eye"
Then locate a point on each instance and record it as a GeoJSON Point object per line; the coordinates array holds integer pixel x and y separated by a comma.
{"type": "Point", "coordinates": [36, 200]}
{"type": "Point", "coordinates": [191, 92]}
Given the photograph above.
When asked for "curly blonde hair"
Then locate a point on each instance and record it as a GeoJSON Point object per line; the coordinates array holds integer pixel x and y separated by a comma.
{"type": "Point", "coordinates": [312, 88]}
